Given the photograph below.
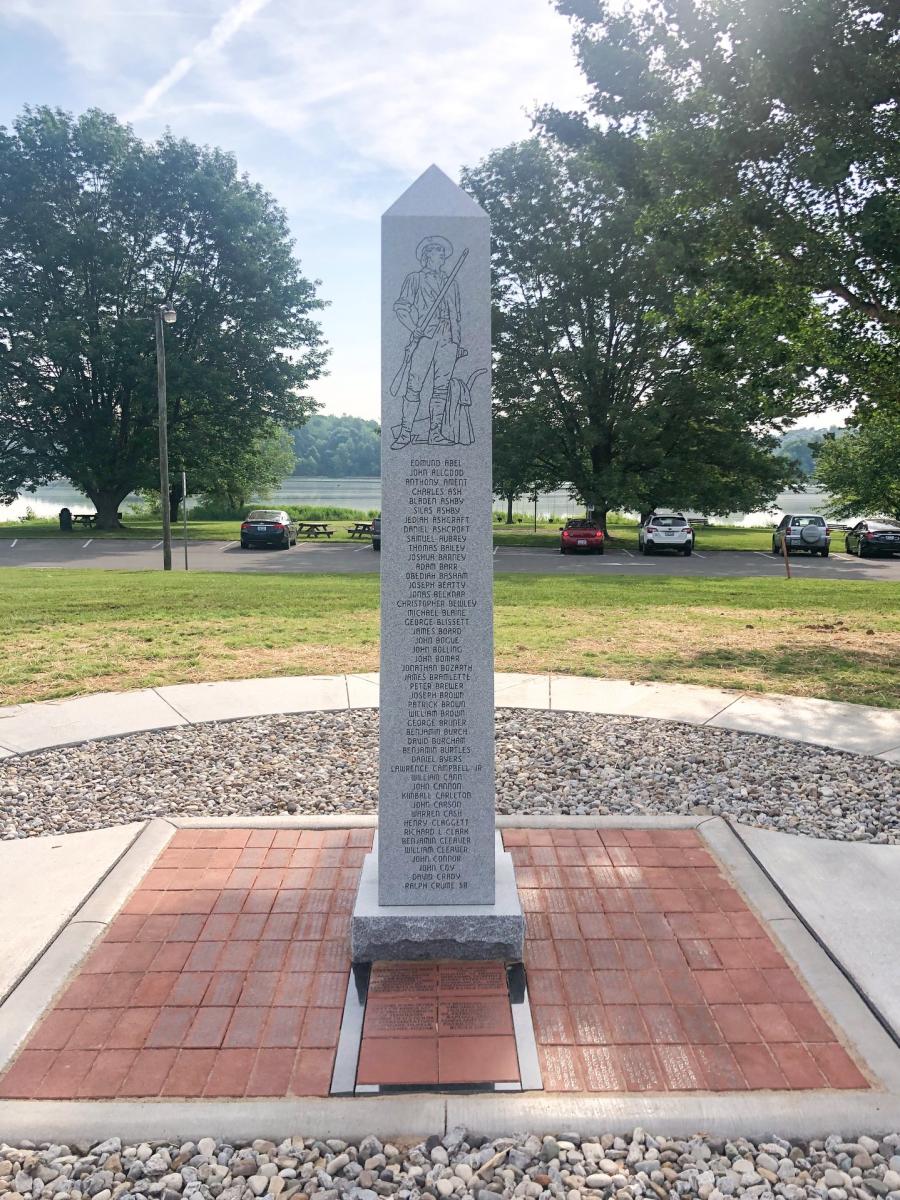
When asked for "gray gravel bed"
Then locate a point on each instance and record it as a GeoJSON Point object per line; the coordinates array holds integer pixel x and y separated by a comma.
{"type": "Point", "coordinates": [561, 763]}
{"type": "Point", "coordinates": [462, 1165]}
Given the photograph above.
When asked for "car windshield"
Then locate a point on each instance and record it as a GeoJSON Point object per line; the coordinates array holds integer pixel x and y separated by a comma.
{"type": "Point", "coordinates": [807, 520]}
{"type": "Point", "coordinates": [264, 514]}
{"type": "Point", "coordinates": [580, 525]}
{"type": "Point", "coordinates": [668, 521]}
{"type": "Point", "coordinates": [876, 525]}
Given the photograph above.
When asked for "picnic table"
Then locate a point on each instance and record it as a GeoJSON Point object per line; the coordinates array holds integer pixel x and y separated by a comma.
{"type": "Point", "coordinates": [314, 529]}
{"type": "Point", "coordinates": [360, 529]}
{"type": "Point", "coordinates": [90, 519]}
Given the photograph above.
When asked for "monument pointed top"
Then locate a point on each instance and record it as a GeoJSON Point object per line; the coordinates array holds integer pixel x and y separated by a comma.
{"type": "Point", "coordinates": [434, 194]}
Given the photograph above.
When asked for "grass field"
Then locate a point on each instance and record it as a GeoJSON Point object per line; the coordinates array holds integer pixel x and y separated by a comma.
{"type": "Point", "coordinates": [624, 534]}
{"type": "Point", "coordinates": [71, 632]}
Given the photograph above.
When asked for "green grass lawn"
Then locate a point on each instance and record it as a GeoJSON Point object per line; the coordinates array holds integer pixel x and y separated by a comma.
{"type": "Point", "coordinates": [75, 631]}
{"type": "Point", "coordinates": [624, 534]}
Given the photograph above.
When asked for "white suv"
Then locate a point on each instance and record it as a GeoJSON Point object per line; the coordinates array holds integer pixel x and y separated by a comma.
{"type": "Point", "coordinates": [666, 533]}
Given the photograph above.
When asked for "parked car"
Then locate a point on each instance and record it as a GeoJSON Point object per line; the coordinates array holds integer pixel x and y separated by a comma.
{"type": "Point", "coordinates": [376, 533]}
{"type": "Point", "coordinates": [809, 533]}
{"type": "Point", "coordinates": [580, 534]}
{"type": "Point", "coordinates": [873, 537]}
{"type": "Point", "coordinates": [666, 533]}
{"type": "Point", "coordinates": [268, 527]}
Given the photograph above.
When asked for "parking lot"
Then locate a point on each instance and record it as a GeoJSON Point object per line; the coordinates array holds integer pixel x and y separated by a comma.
{"type": "Point", "coordinates": [344, 557]}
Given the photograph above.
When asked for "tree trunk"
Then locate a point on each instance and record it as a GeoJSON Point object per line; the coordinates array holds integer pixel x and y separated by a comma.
{"type": "Point", "coordinates": [175, 497]}
{"type": "Point", "coordinates": [645, 516]}
{"type": "Point", "coordinates": [509, 507]}
{"type": "Point", "coordinates": [107, 506]}
{"type": "Point", "coordinates": [599, 515]}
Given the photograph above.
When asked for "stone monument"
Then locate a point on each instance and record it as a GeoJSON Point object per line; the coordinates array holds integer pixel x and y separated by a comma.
{"type": "Point", "coordinates": [438, 883]}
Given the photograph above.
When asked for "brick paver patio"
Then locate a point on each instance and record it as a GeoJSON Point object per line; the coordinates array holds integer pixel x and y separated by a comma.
{"type": "Point", "coordinates": [225, 975]}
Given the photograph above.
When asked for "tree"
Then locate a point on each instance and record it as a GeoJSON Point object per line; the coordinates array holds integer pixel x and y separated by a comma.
{"type": "Point", "coordinates": [96, 229]}
{"type": "Point", "coordinates": [649, 380]}
{"type": "Point", "coordinates": [800, 445]}
{"type": "Point", "coordinates": [254, 473]}
{"type": "Point", "coordinates": [786, 110]}
{"type": "Point", "coordinates": [516, 458]}
{"type": "Point", "coordinates": [861, 470]}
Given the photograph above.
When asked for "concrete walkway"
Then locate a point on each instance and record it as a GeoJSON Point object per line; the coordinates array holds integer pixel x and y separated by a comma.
{"type": "Point", "coordinates": [45, 879]}
{"type": "Point", "coordinates": [848, 895]}
{"type": "Point", "coordinates": [853, 727]}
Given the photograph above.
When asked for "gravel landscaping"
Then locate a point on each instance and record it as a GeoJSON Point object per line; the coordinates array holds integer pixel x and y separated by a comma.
{"type": "Point", "coordinates": [461, 1164]}
{"type": "Point", "coordinates": [564, 763]}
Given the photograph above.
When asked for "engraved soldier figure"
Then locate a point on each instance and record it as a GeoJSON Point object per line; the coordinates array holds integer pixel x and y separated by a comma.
{"type": "Point", "coordinates": [428, 306]}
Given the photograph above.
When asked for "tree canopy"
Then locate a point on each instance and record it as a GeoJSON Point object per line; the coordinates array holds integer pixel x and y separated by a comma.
{"type": "Point", "coordinates": [97, 228]}
{"type": "Point", "coordinates": [861, 469]}
{"type": "Point", "coordinates": [652, 381]}
{"type": "Point", "coordinates": [787, 110]}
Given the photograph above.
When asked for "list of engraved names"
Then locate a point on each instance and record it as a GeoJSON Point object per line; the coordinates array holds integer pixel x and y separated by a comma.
{"type": "Point", "coordinates": [438, 606]}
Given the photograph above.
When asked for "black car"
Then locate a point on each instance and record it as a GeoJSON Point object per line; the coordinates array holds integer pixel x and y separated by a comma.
{"type": "Point", "coordinates": [873, 537]}
{"type": "Point", "coordinates": [376, 533]}
{"type": "Point", "coordinates": [268, 527]}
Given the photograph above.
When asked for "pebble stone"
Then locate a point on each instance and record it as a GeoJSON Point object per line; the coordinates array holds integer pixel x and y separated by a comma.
{"type": "Point", "coordinates": [547, 763]}
{"type": "Point", "coordinates": [552, 1167]}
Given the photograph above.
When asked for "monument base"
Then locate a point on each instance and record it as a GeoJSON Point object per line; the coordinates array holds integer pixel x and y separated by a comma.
{"type": "Point", "coordinates": [417, 931]}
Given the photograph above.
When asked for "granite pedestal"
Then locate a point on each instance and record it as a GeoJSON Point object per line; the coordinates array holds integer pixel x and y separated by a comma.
{"type": "Point", "coordinates": [409, 932]}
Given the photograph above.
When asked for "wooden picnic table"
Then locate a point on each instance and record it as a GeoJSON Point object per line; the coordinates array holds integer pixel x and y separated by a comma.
{"type": "Point", "coordinates": [360, 529]}
{"type": "Point", "coordinates": [314, 529]}
{"type": "Point", "coordinates": [90, 520]}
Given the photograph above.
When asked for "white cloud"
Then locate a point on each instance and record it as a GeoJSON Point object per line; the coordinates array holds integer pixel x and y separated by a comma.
{"type": "Point", "coordinates": [229, 24]}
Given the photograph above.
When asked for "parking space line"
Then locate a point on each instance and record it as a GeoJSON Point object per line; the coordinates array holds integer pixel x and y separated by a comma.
{"type": "Point", "coordinates": [87, 543]}
{"type": "Point", "coordinates": [699, 555]}
{"type": "Point", "coordinates": [227, 545]}
{"type": "Point", "coordinates": [157, 546]}
{"type": "Point", "coordinates": [628, 552]}
{"type": "Point", "coordinates": [13, 544]}
{"type": "Point", "coordinates": [356, 549]}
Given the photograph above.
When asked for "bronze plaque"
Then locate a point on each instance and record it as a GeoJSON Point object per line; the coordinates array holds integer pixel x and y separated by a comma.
{"type": "Point", "coordinates": [475, 1015]}
{"type": "Point", "coordinates": [392, 1018]}
{"type": "Point", "coordinates": [403, 979]}
{"type": "Point", "coordinates": [479, 977]}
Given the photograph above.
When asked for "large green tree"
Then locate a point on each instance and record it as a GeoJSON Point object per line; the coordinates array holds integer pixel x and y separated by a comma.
{"type": "Point", "coordinates": [861, 469]}
{"type": "Point", "coordinates": [783, 113]}
{"type": "Point", "coordinates": [519, 466]}
{"type": "Point", "coordinates": [97, 228]}
{"type": "Point", "coordinates": [652, 381]}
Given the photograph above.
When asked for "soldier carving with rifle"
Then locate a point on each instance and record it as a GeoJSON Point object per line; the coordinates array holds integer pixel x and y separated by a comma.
{"type": "Point", "coordinates": [428, 306]}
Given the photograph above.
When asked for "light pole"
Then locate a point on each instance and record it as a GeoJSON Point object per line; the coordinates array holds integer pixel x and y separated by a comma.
{"type": "Point", "coordinates": [164, 315]}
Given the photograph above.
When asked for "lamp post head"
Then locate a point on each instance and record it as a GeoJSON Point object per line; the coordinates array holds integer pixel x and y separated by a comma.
{"type": "Point", "coordinates": [168, 313]}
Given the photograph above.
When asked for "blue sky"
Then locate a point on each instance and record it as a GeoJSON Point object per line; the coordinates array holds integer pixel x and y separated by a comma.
{"type": "Point", "coordinates": [335, 106]}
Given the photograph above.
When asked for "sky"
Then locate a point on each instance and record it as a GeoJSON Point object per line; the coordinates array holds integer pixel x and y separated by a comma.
{"type": "Point", "coordinates": [334, 106]}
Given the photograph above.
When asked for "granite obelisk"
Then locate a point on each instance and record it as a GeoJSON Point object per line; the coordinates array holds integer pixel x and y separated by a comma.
{"type": "Point", "coordinates": [443, 884]}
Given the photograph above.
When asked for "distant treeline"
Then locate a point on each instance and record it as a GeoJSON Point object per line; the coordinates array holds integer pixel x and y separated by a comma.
{"type": "Point", "coordinates": [339, 447]}
{"type": "Point", "coordinates": [350, 448]}
{"type": "Point", "coordinates": [796, 444]}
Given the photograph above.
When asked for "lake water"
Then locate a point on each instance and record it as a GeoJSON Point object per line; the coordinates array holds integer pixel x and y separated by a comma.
{"type": "Point", "coordinates": [365, 494]}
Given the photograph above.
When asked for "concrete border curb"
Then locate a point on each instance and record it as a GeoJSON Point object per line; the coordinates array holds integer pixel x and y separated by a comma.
{"type": "Point", "coordinates": [852, 728]}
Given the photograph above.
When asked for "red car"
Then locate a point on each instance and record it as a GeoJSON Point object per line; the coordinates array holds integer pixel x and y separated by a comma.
{"type": "Point", "coordinates": [580, 534]}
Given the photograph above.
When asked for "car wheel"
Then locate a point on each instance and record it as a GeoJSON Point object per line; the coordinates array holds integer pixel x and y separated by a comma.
{"type": "Point", "coordinates": [687, 551]}
{"type": "Point", "coordinates": [245, 545]}
{"type": "Point", "coordinates": [846, 545]}
{"type": "Point", "coordinates": [824, 553]}
{"type": "Point", "coordinates": [774, 547]}
{"type": "Point", "coordinates": [861, 550]}
{"type": "Point", "coordinates": [600, 551]}
{"type": "Point", "coordinates": [376, 545]}
{"type": "Point", "coordinates": [286, 544]}
{"type": "Point", "coordinates": [646, 548]}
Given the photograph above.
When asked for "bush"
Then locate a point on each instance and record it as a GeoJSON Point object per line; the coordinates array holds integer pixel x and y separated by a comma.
{"type": "Point", "coordinates": [210, 510]}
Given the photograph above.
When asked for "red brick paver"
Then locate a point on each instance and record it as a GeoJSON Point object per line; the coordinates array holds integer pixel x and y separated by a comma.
{"type": "Point", "coordinates": [647, 971]}
{"type": "Point", "coordinates": [223, 976]}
